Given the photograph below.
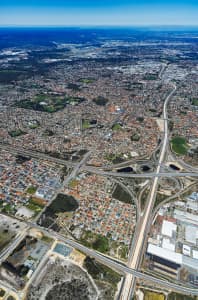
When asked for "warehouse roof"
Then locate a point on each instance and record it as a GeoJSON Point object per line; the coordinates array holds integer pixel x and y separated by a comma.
{"type": "Point", "coordinates": [168, 228]}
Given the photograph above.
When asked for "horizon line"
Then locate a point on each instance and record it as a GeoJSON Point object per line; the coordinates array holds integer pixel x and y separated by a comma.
{"type": "Point", "coordinates": [98, 25]}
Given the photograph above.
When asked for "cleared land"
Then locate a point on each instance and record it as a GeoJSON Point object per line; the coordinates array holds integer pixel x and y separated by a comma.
{"type": "Point", "coordinates": [62, 280]}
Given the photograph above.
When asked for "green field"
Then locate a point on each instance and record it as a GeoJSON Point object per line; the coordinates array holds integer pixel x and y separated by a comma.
{"type": "Point", "coordinates": [135, 137]}
{"type": "Point", "coordinates": [179, 145]}
{"type": "Point", "coordinates": [114, 158]}
{"type": "Point", "coordinates": [121, 195]}
{"type": "Point", "coordinates": [35, 205]}
{"type": "Point", "coordinates": [116, 127]}
{"type": "Point", "coordinates": [101, 244]}
{"type": "Point", "coordinates": [101, 101]}
{"type": "Point", "coordinates": [85, 124]}
{"type": "Point", "coordinates": [195, 101]}
{"type": "Point", "coordinates": [98, 271]}
{"type": "Point", "coordinates": [47, 239]}
{"type": "Point", "coordinates": [35, 208]}
{"type": "Point", "coordinates": [95, 241]}
{"type": "Point", "coordinates": [175, 296]}
{"type": "Point", "coordinates": [148, 295]}
{"type": "Point", "coordinates": [34, 126]}
{"type": "Point", "coordinates": [123, 251]}
{"type": "Point", "coordinates": [31, 190]}
{"type": "Point", "coordinates": [17, 132]}
{"type": "Point", "coordinates": [73, 183]}
{"type": "Point", "coordinates": [63, 203]}
{"type": "Point", "coordinates": [48, 102]}
{"type": "Point", "coordinates": [8, 209]}
{"type": "Point", "coordinates": [159, 198]}
{"type": "Point", "coordinates": [140, 119]}
{"type": "Point", "coordinates": [87, 80]}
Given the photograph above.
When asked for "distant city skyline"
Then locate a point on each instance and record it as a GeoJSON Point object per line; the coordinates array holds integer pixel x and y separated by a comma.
{"type": "Point", "coordinates": [98, 12]}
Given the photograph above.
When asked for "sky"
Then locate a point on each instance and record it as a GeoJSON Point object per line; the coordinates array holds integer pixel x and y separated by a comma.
{"type": "Point", "coordinates": [98, 12]}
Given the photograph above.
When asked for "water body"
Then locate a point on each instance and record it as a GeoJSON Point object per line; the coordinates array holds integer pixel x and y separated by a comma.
{"type": "Point", "coordinates": [125, 170]}
{"type": "Point", "coordinates": [174, 167]}
{"type": "Point", "coordinates": [145, 168]}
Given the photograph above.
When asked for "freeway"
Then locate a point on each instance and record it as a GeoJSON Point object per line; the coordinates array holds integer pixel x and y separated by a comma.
{"type": "Point", "coordinates": [76, 169]}
{"type": "Point", "coordinates": [139, 175]}
{"type": "Point", "coordinates": [95, 170]}
{"type": "Point", "coordinates": [135, 258]}
{"type": "Point", "coordinates": [12, 246]}
{"type": "Point", "coordinates": [34, 154]}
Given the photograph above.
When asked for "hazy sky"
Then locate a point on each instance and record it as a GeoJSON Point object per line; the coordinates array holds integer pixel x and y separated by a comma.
{"type": "Point", "coordinates": [98, 12]}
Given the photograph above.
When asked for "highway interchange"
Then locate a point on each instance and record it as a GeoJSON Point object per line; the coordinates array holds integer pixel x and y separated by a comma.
{"type": "Point", "coordinates": [137, 247]}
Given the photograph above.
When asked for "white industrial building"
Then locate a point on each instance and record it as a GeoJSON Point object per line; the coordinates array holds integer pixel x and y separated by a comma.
{"type": "Point", "coordinates": [191, 234]}
{"type": "Point", "coordinates": [165, 253]}
{"type": "Point", "coordinates": [192, 201]}
{"type": "Point", "coordinates": [166, 244]}
{"type": "Point", "coordinates": [186, 250]}
{"type": "Point", "coordinates": [195, 254]}
{"type": "Point", "coordinates": [177, 258]}
{"type": "Point", "coordinates": [185, 217]}
{"type": "Point", "coordinates": [168, 228]}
